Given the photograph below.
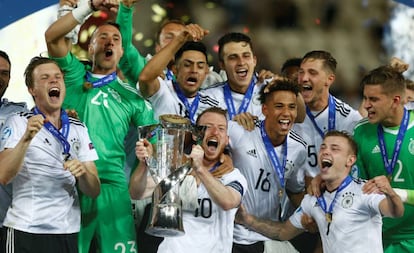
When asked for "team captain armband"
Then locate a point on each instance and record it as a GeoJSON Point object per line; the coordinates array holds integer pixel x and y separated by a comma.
{"type": "Point", "coordinates": [237, 186]}
{"type": "Point", "coordinates": [407, 196]}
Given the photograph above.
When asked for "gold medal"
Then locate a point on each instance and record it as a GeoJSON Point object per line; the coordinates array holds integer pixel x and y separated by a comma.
{"type": "Point", "coordinates": [87, 86]}
{"type": "Point", "coordinates": [280, 193]}
{"type": "Point", "coordinates": [328, 217]}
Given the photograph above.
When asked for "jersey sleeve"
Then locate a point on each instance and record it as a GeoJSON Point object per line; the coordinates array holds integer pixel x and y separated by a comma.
{"type": "Point", "coordinates": [132, 62]}
{"type": "Point", "coordinates": [296, 217]}
{"type": "Point", "coordinates": [11, 132]}
{"type": "Point", "coordinates": [144, 115]}
{"type": "Point", "coordinates": [74, 70]}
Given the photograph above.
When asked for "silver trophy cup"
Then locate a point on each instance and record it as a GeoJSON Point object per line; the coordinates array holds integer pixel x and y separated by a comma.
{"type": "Point", "coordinates": [168, 168]}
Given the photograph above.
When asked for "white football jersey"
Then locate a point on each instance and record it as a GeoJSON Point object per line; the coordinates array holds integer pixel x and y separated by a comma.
{"type": "Point", "coordinates": [345, 120]}
{"type": "Point", "coordinates": [45, 199]}
{"type": "Point", "coordinates": [209, 228]}
{"type": "Point", "coordinates": [250, 156]}
{"type": "Point", "coordinates": [356, 220]}
{"type": "Point", "coordinates": [217, 93]}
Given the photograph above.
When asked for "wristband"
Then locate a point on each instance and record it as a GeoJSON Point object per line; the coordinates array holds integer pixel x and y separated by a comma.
{"type": "Point", "coordinates": [410, 197]}
{"type": "Point", "coordinates": [82, 11]}
{"type": "Point", "coordinates": [403, 194]}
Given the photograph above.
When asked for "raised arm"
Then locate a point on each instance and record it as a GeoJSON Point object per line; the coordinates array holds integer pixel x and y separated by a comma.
{"type": "Point", "coordinates": [224, 196]}
{"type": "Point", "coordinates": [57, 44]}
{"type": "Point", "coordinates": [273, 229]}
{"type": "Point", "coordinates": [11, 159]}
{"type": "Point", "coordinates": [132, 62]}
{"type": "Point", "coordinates": [148, 79]}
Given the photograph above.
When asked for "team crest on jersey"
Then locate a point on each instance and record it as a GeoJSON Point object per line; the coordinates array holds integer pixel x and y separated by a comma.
{"type": "Point", "coordinates": [348, 200]}
{"type": "Point", "coordinates": [7, 131]}
{"type": "Point", "coordinates": [411, 146]}
{"type": "Point", "coordinates": [115, 95]}
{"type": "Point", "coordinates": [75, 145]}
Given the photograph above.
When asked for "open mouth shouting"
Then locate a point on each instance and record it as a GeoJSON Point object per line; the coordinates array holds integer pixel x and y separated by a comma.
{"type": "Point", "coordinates": [326, 163]}
{"type": "Point", "coordinates": [192, 80]}
{"type": "Point", "coordinates": [54, 93]}
{"type": "Point", "coordinates": [212, 145]}
{"type": "Point", "coordinates": [307, 87]}
{"type": "Point", "coordinates": [109, 52]}
{"type": "Point", "coordinates": [242, 73]}
{"type": "Point", "coordinates": [284, 123]}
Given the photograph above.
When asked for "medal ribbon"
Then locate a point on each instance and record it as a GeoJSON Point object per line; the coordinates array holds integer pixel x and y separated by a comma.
{"type": "Point", "coordinates": [279, 168]}
{"type": "Point", "coordinates": [169, 75]}
{"type": "Point", "coordinates": [214, 167]}
{"type": "Point", "coordinates": [192, 109]}
{"type": "Point", "coordinates": [62, 136]}
{"type": "Point", "coordinates": [389, 167]}
{"type": "Point", "coordinates": [102, 81]}
{"type": "Point", "coordinates": [322, 202]}
{"type": "Point", "coordinates": [246, 100]}
{"type": "Point", "coordinates": [331, 116]}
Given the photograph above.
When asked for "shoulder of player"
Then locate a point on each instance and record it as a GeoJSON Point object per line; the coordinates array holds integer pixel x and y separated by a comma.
{"type": "Point", "coordinates": [208, 100]}
{"type": "Point", "coordinates": [214, 86]}
{"type": "Point", "coordinates": [20, 105]}
{"type": "Point", "coordinates": [76, 122]}
{"type": "Point", "coordinates": [343, 108]}
{"type": "Point", "coordinates": [296, 138]}
{"type": "Point", "coordinates": [25, 114]}
{"type": "Point", "coordinates": [363, 123]}
{"type": "Point", "coordinates": [128, 87]}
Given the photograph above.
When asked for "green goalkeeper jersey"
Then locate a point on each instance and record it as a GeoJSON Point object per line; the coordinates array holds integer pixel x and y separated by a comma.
{"type": "Point", "coordinates": [108, 112]}
{"type": "Point", "coordinates": [370, 164]}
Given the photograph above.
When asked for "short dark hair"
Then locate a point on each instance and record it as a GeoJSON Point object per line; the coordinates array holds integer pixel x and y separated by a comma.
{"type": "Point", "coordinates": [389, 78]}
{"type": "Point", "coordinates": [117, 26]}
{"type": "Point", "coordinates": [232, 37]}
{"type": "Point", "coordinates": [284, 84]}
{"type": "Point", "coordinates": [191, 45]}
{"type": "Point", "coordinates": [34, 62]}
{"type": "Point", "coordinates": [164, 24]}
{"type": "Point", "coordinates": [213, 109]}
{"type": "Point", "coordinates": [347, 136]}
{"type": "Point", "coordinates": [328, 61]}
{"type": "Point", "coordinates": [5, 56]}
{"type": "Point", "coordinates": [292, 62]}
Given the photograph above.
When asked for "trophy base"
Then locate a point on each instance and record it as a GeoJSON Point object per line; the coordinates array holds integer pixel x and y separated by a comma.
{"type": "Point", "coordinates": [164, 232]}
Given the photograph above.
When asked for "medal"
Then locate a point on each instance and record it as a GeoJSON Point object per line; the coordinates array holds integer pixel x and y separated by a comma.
{"type": "Point", "coordinates": [280, 193]}
{"type": "Point", "coordinates": [328, 217]}
{"type": "Point", "coordinates": [87, 86]}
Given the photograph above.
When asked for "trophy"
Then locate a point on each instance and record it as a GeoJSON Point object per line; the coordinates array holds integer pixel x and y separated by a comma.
{"type": "Point", "coordinates": [168, 167]}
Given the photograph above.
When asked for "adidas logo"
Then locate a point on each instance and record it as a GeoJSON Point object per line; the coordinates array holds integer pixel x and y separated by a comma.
{"type": "Point", "coordinates": [252, 152]}
{"type": "Point", "coordinates": [376, 149]}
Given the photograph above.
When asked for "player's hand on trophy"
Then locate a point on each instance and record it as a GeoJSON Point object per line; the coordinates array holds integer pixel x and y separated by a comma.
{"type": "Point", "coordinates": [143, 150]}
{"type": "Point", "coordinates": [197, 155]}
